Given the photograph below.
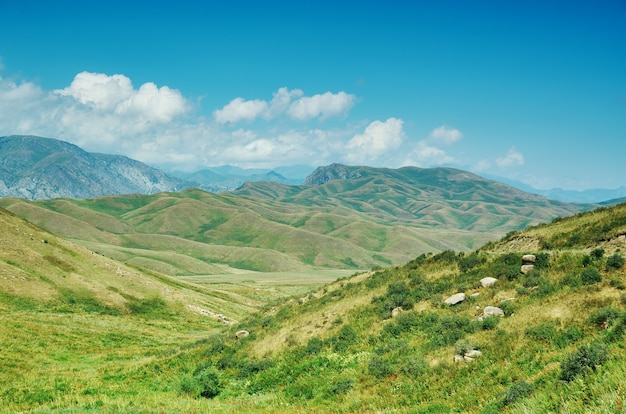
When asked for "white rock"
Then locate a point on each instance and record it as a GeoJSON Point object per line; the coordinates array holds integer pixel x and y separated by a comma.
{"type": "Point", "coordinates": [492, 311]}
{"type": "Point", "coordinates": [487, 281]}
{"type": "Point", "coordinates": [456, 298]}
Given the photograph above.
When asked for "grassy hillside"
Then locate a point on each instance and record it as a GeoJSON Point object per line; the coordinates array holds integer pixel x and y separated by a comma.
{"type": "Point", "coordinates": [75, 323]}
{"type": "Point", "coordinates": [558, 347]}
{"type": "Point", "coordinates": [379, 218]}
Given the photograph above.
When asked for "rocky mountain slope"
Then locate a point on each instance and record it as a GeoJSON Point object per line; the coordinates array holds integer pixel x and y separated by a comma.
{"type": "Point", "coordinates": [40, 168]}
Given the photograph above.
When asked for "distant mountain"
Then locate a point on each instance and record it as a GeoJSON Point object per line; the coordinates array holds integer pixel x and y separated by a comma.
{"type": "Point", "coordinates": [228, 178]}
{"type": "Point", "coordinates": [41, 168]}
{"type": "Point", "coordinates": [594, 195]}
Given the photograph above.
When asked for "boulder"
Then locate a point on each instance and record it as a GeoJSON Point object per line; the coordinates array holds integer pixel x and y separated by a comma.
{"type": "Point", "coordinates": [529, 258]}
{"type": "Point", "coordinates": [473, 353]}
{"type": "Point", "coordinates": [454, 299]}
{"type": "Point", "coordinates": [492, 311]}
{"type": "Point", "coordinates": [396, 311]}
{"type": "Point", "coordinates": [241, 334]}
{"type": "Point", "coordinates": [487, 281]}
{"type": "Point", "coordinates": [527, 268]}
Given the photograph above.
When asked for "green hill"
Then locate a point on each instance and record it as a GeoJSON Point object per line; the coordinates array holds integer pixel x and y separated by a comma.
{"type": "Point", "coordinates": [346, 347]}
{"type": "Point", "coordinates": [373, 217]}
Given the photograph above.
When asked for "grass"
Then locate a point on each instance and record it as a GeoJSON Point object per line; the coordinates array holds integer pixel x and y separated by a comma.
{"type": "Point", "coordinates": [82, 333]}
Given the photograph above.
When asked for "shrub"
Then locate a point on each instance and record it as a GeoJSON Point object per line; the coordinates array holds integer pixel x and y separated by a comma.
{"type": "Point", "coordinates": [597, 254]}
{"type": "Point", "coordinates": [446, 256]}
{"type": "Point", "coordinates": [469, 262]}
{"type": "Point", "coordinates": [344, 338]}
{"type": "Point", "coordinates": [590, 275]}
{"type": "Point", "coordinates": [507, 307]}
{"type": "Point", "coordinates": [379, 367]}
{"type": "Point", "coordinates": [516, 391]}
{"type": "Point", "coordinates": [314, 346]}
{"type": "Point", "coordinates": [572, 279]}
{"type": "Point", "coordinates": [490, 323]}
{"type": "Point", "coordinates": [398, 295]}
{"type": "Point", "coordinates": [568, 336]}
{"type": "Point", "coordinates": [412, 366]}
{"type": "Point", "coordinates": [606, 316]}
{"type": "Point", "coordinates": [614, 261]}
{"type": "Point", "coordinates": [585, 358]}
{"type": "Point", "coordinates": [342, 385]}
{"type": "Point", "coordinates": [542, 260]}
{"type": "Point", "coordinates": [462, 347]}
{"type": "Point", "coordinates": [544, 332]}
{"type": "Point", "coordinates": [204, 384]}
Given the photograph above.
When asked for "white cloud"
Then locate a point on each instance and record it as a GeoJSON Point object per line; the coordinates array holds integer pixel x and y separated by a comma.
{"type": "Point", "coordinates": [445, 135]}
{"type": "Point", "coordinates": [292, 102]}
{"type": "Point", "coordinates": [281, 101]}
{"type": "Point", "coordinates": [324, 105]}
{"type": "Point", "coordinates": [103, 93]}
{"type": "Point", "coordinates": [424, 155]}
{"type": "Point", "coordinates": [240, 110]}
{"type": "Point", "coordinates": [374, 143]}
{"type": "Point", "coordinates": [512, 158]}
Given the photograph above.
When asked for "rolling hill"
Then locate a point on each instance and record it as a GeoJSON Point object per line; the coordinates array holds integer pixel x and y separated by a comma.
{"type": "Point", "coordinates": [547, 339]}
{"type": "Point", "coordinates": [375, 217]}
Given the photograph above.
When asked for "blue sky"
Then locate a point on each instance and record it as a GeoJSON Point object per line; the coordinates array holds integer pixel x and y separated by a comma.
{"type": "Point", "coordinates": [533, 91]}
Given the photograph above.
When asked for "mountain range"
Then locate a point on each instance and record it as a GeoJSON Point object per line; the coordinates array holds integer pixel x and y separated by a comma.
{"type": "Point", "coordinates": [41, 168]}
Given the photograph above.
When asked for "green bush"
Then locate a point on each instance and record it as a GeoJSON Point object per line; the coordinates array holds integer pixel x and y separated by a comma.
{"type": "Point", "coordinates": [606, 316]}
{"type": "Point", "coordinates": [517, 391]}
{"type": "Point", "coordinates": [590, 275]}
{"type": "Point", "coordinates": [571, 279]}
{"type": "Point", "coordinates": [490, 323]}
{"type": "Point", "coordinates": [344, 338]}
{"type": "Point", "coordinates": [597, 254]}
{"type": "Point", "coordinates": [314, 346]}
{"type": "Point", "coordinates": [342, 385]}
{"type": "Point", "coordinates": [585, 358]}
{"type": "Point", "coordinates": [204, 384]}
{"type": "Point", "coordinates": [412, 366]}
{"type": "Point", "coordinates": [542, 261]}
{"type": "Point", "coordinates": [379, 367]}
{"type": "Point", "coordinates": [567, 337]}
{"type": "Point", "coordinates": [469, 262]}
{"type": "Point", "coordinates": [507, 307]}
{"type": "Point", "coordinates": [544, 332]}
{"type": "Point", "coordinates": [614, 261]}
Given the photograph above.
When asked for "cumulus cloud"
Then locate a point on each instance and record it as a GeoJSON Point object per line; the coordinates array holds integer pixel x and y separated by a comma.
{"type": "Point", "coordinates": [445, 135]}
{"type": "Point", "coordinates": [324, 105]}
{"type": "Point", "coordinates": [377, 139]}
{"type": "Point", "coordinates": [157, 124]}
{"type": "Point", "coordinates": [512, 158]}
{"type": "Point", "coordinates": [240, 110]}
{"type": "Point", "coordinates": [292, 102]}
{"type": "Point", "coordinates": [281, 101]}
{"type": "Point", "coordinates": [424, 155]}
{"type": "Point", "coordinates": [104, 93]}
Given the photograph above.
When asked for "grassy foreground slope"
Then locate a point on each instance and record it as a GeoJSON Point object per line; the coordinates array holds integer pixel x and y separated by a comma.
{"type": "Point", "coordinates": [377, 217]}
{"type": "Point", "coordinates": [559, 346]}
